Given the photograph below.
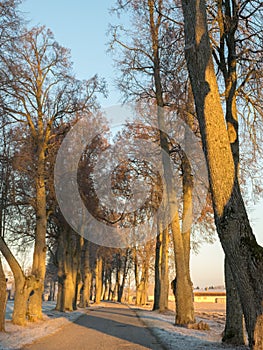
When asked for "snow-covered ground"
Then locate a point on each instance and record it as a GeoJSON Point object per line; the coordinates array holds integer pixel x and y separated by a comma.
{"type": "Point", "coordinates": [180, 338]}
{"type": "Point", "coordinates": [16, 336]}
{"type": "Point", "coordinates": [162, 325]}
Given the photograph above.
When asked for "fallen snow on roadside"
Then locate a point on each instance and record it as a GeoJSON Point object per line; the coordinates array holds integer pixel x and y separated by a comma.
{"type": "Point", "coordinates": [18, 336]}
{"type": "Point", "coordinates": [180, 338]}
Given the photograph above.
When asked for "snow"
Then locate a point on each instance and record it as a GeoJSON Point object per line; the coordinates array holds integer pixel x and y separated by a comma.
{"type": "Point", "coordinates": [160, 324]}
{"type": "Point", "coordinates": [181, 338]}
{"type": "Point", "coordinates": [17, 336]}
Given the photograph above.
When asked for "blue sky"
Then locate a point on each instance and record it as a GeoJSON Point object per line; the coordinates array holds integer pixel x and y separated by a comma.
{"type": "Point", "coordinates": [81, 26]}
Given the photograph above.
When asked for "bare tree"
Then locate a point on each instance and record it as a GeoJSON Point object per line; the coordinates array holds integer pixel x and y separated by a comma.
{"type": "Point", "coordinates": [150, 70]}
{"type": "Point", "coordinates": [38, 90]}
{"type": "Point", "coordinates": [244, 255]}
{"type": "Point", "coordinates": [9, 27]}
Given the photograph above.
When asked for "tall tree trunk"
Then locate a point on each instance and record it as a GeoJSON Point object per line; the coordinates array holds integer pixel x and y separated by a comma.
{"type": "Point", "coordinates": [187, 217]}
{"type": "Point", "coordinates": [110, 287]}
{"type": "Point", "coordinates": [106, 288]}
{"type": "Point", "coordinates": [61, 275]}
{"type": "Point", "coordinates": [185, 311]}
{"type": "Point", "coordinates": [76, 269]}
{"type": "Point", "coordinates": [157, 271]}
{"type": "Point", "coordinates": [85, 296]}
{"type": "Point", "coordinates": [117, 283]}
{"type": "Point", "coordinates": [98, 277]}
{"type": "Point", "coordinates": [3, 297]}
{"type": "Point", "coordinates": [39, 257]}
{"type": "Point", "coordinates": [66, 268]}
{"type": "Point", "coordinates": [234, 328]}
{"type": "Point", "coordinates": [144, 285]}
{"type": "Point", "coordinates": [124, 275]}
{"type": "Point", "coordinates": [69, 268]}
{"type": "Point", "coordinates": [161, 286]}
{"type": "Point", "coordinates": [164, 290]}
{"type": "Point", "coordinates": [244, 255]}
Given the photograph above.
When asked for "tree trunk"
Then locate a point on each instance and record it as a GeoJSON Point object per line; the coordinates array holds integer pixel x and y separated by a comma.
{"type": "Point", "coordinates": [226, 12]}
{"type": "Point", "coordinates": [110, 287]}
{"type": "Point", "coordinates": [184, 292]}
{"type": "Point", "coordinates": [117, 284]}
{"type": "Point", "coordinates": [144, 285]}
{"type": "Point", "coordinates": [187, 217]}
{"type": "Point", "coordinates": [124, 275]}
{"type": "Point", "coordinates": [234, 330]}
{"type": "Point", "coordinates": [85, 296]}
{"type": "Point", "coordinates": [157, 272]}
{"type": "Point", "coordinates": [76, 269]}
{"type": "Point", "coordinates": [244, 255]}
{"type": "Point", "coordinates": [61, 275]}
{"type": "Point", "coordinates": [3, 297]}
{"type": "Point", "coordinates": [185, 311]}
{"type": "Point", "coordinates": [39, 257]}
{"type": "Point", "coordinates": [24, 285]}
{"type": "Point", "coordinates": [98, 277]}
{"type": "Point", "coordinates": [67, 273]}
{"type": "Point", "coordinates": [164, 288]}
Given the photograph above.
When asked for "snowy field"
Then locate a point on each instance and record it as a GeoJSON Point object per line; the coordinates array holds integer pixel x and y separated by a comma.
{"type": "Point", "coordinates": [161, 325]}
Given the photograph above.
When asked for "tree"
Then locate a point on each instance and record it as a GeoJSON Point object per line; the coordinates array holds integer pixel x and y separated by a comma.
{"type": "Point", "coordinates": [38, 90]}
{"type": "Point", "coordinates": [9, 26]}
{"type": "Point", "coordinates": [235, 36]}
{"type": "Point", "coordinates": [150, 66]}
{"type": "Point", "coordinates": [244, 255]}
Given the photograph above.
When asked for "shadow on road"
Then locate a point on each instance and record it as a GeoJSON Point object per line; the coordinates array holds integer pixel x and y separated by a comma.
{"type": "Point", "coordinates": [108, 328]}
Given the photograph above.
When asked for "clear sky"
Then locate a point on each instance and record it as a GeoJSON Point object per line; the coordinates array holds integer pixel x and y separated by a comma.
{"type": "Point", "coordinates": [81, 26]}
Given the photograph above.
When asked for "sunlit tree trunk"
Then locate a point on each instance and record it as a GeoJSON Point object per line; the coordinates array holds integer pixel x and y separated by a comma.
{"type": "Point", "coordinates": [184, 300]}
{"type": "Point", "coordinates": [39, 257]}
{"type": "Point", "coordinates": [76, 269]}
{"type": "Point", "coordinates": [164, 288]}
{"type": "Point", "coordinates": [24, 286]}
{"type": "Point", "coordinates": [234, 328]}
{"type": "Point", "coordinates": [187, 184]}
{"type": "Point", "coordinates": [3, 297]}
{"type": "Point", "coordinates": [244, 255]}
{"type": "Point", "coordinates": [67, 258]}
{"type": "Point", "coordinates": [98, 277]}
{"type": "Point", "coordinates": [144, 285]}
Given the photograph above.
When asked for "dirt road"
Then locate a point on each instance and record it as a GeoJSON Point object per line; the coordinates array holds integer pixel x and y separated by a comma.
{"type": "Point", "coordinates": [110, 327]}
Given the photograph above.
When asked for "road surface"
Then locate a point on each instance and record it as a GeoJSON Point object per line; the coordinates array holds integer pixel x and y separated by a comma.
{"type": "Point", "coordinates": [110, 327]}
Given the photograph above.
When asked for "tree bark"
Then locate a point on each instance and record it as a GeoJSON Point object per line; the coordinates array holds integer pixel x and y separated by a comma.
{"type": "Point", "coordinates": [164, 288]}
{"type": "Point", "coordinates": [157, 272]}
{"type": "Point", "coordinates": [85, 296]}
{"type": "Point", "coordinates": [184, 300]}
{"type": "Point", "coordinates": [39, 257]}
{"type": "Point", "coordinates": [234, 330]}
{"type": "Point", "coordinates": [3, 297]}
{"type": "Point", "coordinates": [24, 285]}
{"type": "Point", "coordinates": [98, 277]}
{"type": "Point", "coordinates": [227, 63]}
{"type": "Point", "coordinates": [244, 255]}
{"type": "Point", "coordinates": [67, 257]}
